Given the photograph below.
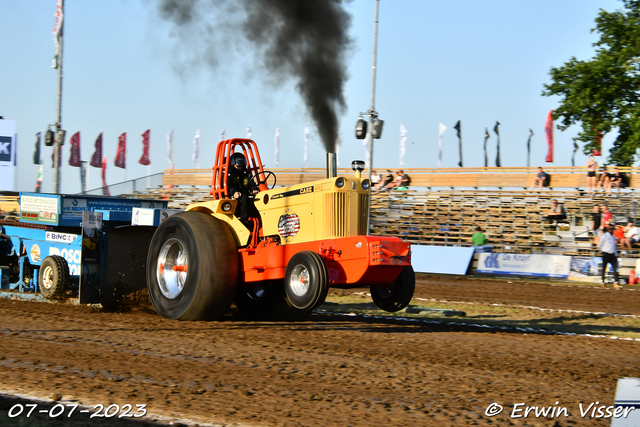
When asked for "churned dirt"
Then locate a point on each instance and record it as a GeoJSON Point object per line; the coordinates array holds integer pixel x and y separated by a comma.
{"type": "Point", "coordinates": [331, 370]}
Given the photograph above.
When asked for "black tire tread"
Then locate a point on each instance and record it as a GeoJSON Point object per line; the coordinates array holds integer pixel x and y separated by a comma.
{"type": "Point", "coordinates": [216, 275]}
{"type": "Point", "coordinates": [60, 277]}
{"type": "Point", "coordinates": [403, 287]}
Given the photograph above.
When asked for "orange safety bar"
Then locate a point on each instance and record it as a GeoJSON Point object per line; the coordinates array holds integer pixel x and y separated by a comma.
{"type": "Point", "coordinates": [223, 152]}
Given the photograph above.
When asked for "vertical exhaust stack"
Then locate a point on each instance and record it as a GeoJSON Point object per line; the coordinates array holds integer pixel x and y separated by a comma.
{"type": "Point", "coordinates": [332, 165]}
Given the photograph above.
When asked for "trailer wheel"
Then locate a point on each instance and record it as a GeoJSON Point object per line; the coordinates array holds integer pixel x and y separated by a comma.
{"type": "Point", "coordinates": [54, 277]}
{"type": "Point", "coordinates": [258, 300]}
{"type": "Point", "coordinates": [305, 280]}
{"type": "Point", "coordinates": [398, 294]}
{"type": "Point", "coordinates": [192, 267]}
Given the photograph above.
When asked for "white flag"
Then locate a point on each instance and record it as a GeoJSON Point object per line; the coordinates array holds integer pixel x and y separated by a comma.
{"type": "Point", "coordinates": [276, 140]}
{"type": "Point", "coordinates": [57, 28]}
{"type": "Point", "coordinates": [305, 160]}
{"type": "Point", "coordinates": [403, 140]}
{"type": "Point", "coordinates": [442, 129]}
{"type": "Point", "coordinates": [196, 149]}
{"type": "Point", "coordinates": [222, 133]}
{"type": "Point", "coordinates": [170, 148]}
{"type": "Point", "coordinates": [249, 132]}
{"type": "Point", "coordinates": [365, 145]}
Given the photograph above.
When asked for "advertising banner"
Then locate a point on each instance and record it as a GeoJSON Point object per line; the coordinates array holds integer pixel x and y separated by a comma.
{"type": "Point", "coordinates": [440, 259]}
{"type": "Point", "coordinates": [586, 269]}
{"type": "Point", "coordinates": [43, 209]}
{"type": "Point", "coordinates": [524, 264]}
{"type": "Point", "coordinates": [7, 154]}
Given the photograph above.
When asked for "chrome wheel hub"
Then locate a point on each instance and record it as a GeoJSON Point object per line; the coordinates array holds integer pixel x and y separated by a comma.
{"type": "Point", "coordinates": [172, 268]}
{"type": "Point", "coordinates": [299, 281]}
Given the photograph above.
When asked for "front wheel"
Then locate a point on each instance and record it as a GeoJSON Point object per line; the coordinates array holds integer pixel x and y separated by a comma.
{"type": "Point", "coordinates": [397, 295]}
{"type": "Point", "coordinates": [53, 279]}
{"type": "Point", "coordinates": [306, 280]}
{"type": "Point", "coordinates": [192, 267]}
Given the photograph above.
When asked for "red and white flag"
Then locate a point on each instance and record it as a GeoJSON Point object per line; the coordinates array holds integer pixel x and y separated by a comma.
{"type": "Point", "coordinates": [105, 187]}
{"type": "Point", "coordinates": [74, 158]}
{"type": "Point", "coordinates": [548, 129]}
{"type": "Point", "coordinates": [96, 159]}
{"type": "Point", "coordinates": [144, 160]}
{"type": "Point", "coordinates": [121, 153]}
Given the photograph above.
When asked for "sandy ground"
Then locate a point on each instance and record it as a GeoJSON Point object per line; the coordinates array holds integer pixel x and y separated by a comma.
{"type": "Point", "coordinates": [331, 370]}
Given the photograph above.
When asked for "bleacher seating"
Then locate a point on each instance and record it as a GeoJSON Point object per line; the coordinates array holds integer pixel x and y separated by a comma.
{"type": "Point", "coordinates": [511, 215]}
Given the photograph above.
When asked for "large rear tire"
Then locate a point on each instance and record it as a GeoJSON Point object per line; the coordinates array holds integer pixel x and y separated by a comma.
{"type": "Point", "coordinates": [53, 278]}
{"type": "Point", "coordinates": [192, 267]}
{"type": "Point", "coordinates": [397, 295]}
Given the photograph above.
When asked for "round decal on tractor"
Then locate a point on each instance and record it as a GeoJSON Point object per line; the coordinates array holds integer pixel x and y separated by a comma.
{"type": "Point", "coordinates": [288, 225]}
{"type": "Point", "coordinates": [35, 253]}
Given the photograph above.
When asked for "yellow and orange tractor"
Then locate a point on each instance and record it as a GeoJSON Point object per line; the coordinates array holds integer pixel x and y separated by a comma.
{"type": "Point", "coordinates": [308, 237]}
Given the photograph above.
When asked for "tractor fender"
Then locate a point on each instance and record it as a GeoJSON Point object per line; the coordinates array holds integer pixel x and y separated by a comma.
{"type": "Point", "coordinates": [241, 234]}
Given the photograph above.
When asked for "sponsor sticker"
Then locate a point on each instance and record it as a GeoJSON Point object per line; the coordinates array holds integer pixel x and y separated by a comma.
{"type": "Point", "coordinates": [61, 237]}
{"type": "Point", "coordinates": [35, 253]}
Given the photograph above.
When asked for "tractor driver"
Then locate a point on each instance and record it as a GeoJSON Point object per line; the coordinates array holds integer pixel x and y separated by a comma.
{"type": "Point", "coordinates": [241, 187]}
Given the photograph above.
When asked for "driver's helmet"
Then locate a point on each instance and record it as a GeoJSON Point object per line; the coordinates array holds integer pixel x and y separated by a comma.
{"type": "Point", "coordinates": [238, 159]}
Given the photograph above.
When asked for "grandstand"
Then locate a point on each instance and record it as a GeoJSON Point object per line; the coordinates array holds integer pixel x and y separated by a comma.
{"type": "Point", "coordinates": [443, 206]}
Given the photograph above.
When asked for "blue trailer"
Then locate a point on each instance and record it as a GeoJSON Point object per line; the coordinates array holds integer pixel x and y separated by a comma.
{"type": "Point", "coordinates": [87, 247]}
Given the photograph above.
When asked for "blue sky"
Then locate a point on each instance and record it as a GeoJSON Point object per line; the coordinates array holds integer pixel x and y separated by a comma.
{"type": "Point", "coordinates": [124, 70]}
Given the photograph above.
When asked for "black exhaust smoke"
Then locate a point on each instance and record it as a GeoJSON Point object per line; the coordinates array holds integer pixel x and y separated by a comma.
{"type": "Point", "coordinates": [302, 39]}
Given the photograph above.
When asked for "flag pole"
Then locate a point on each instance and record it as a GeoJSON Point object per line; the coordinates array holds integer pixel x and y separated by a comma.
{"type": "Point", "coordinates": [56, 146]}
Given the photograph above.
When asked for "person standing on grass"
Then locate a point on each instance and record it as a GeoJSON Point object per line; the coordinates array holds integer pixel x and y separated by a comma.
{"type": "Point", "coordinates": [478, 238]}
{"type": "Point", "coordinates": [609, 250]}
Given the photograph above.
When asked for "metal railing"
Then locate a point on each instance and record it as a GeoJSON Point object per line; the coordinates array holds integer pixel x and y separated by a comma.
{"type": "Point", "coordinates": [133, 186]}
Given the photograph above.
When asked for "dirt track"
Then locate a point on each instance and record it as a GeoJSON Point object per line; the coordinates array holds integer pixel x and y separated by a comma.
{"type": "Point", "coordinates": [329, 370]}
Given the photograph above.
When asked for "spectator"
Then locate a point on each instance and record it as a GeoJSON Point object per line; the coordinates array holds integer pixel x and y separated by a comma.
{"type": "Point", "coordinates": [388, 179]}
{"type": "Point", "coordinates": [631, 235]}
{"type": "Point", "coordinates": [375, 179]}
{"type": "Point", "coordinates": [405, 181]}
{"type": "Point", "coordinates": [619, 233]}
{"type": "Point", "coordinates": [607, 246]}
{"type": "Point", "coordinates": [592, 165]}
{"type": "Point", "coordinates": [391, 181]}
{"type": "Point", "coordinates": [478, 238]}
{"type": "Point", "coordinates": [606, 215]}
{"type": "Point", "coordinates": [596, 222]}
{"type": "Point", "coordinates": [556, 213]}
{"type": "Point", "coordinates": [541, 179]}
{"type": "Point", "coordinates": [603, 179]}
{"type": "Point", "coordinates": [618, 180]}
{"type": "Point", "coordinates": [397, 180]}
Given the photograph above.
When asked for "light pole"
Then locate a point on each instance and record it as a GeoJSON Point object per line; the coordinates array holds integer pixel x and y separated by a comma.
{"type": "Point", "coordinates": [374, 123]}
{"type": "Point", "coordinates": [59, 134]}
